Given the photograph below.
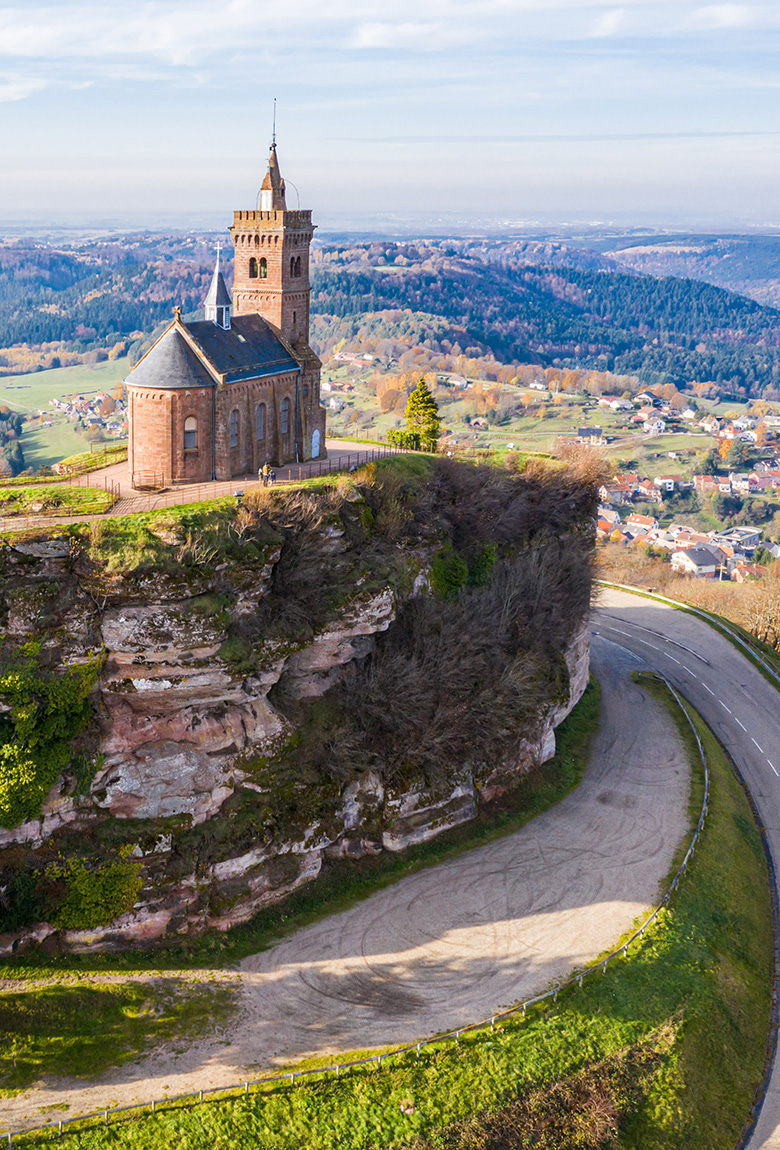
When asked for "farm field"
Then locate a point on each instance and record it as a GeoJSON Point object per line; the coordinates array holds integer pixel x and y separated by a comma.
{"type": "Point", "coordinates": [44, 446]}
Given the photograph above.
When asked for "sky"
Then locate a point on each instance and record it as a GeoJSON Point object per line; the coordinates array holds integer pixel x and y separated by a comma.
{"type": "Point", "coordinates": [506, 110]}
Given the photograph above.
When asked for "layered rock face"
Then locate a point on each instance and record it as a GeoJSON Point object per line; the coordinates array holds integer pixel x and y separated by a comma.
{"type": "Point", "coordinates": [187, 736]}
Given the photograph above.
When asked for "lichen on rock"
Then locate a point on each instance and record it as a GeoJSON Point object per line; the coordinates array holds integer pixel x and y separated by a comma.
{"type": "Point", "coordinates": [302, 689]}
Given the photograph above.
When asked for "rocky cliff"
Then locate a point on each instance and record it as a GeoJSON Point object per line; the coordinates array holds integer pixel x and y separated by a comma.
{"type": "Point", "coordinates": [315, 675]}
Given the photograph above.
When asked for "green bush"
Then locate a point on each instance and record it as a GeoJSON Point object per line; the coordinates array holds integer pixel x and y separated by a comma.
{"type": "Point", "coordinates": [449, 573]}
{"type": "Point", "coordinates": [481, 566]}
{"type": "Point", "coordinates": [93, 896]}
{"type": "Point", "coordinates": [47, 712]}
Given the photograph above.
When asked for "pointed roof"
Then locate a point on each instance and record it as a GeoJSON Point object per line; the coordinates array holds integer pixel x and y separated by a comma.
{"type": "Point", "coordinates": [273, 182]}
{"type": "Point", "coordinates": [249, 349]}
{"type": "Point", "coordinates": [218, 294]}
{"type": "Point", "coordinates": [171, 363]}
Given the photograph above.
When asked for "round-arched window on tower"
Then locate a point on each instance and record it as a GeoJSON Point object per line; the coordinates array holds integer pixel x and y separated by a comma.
{"type": "Point", "coordinates": [285, 420]}
{"type": "Point", "coordinates": [263, 268]}
{"type": "Point", "coordinates": [234, 428]}
{"type": "Point", "coordinates": [261, 421]}
{"type": "Point", "coordinates": [253, 268]}
{"type": "Point", "coordinates": [190, 433]}
{"type": "Point", "coordinates": [292, 265]}
{"type": "Point", "coordinates": [298, 267]}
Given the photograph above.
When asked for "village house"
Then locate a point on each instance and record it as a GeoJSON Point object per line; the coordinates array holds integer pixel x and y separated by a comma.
{"type": "Point", "coordinates": [648, 492]}
{"type": "Point", "coordinates": [697, 561]}
{"type": "Point", "coordinates": [743, 572]}
{"type": "Point", "coordinates": [668, 483]}
{"type": "Point", "coordinates": [641, 523]}
{"type": "Point", "coordinates": [618, 494]}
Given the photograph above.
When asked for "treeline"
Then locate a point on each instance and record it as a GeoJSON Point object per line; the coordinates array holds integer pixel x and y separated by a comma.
{"type": "Point", "coordinates": [94, 296]}
{"type": "Point", "coordinates": [532, 302]}
{"type": "Point", "coordinates": [665, 331]}
{"type": "Point", "coordinates": [11, 454]}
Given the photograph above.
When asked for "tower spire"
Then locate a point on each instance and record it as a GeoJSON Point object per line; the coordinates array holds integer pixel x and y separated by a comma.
{"type": "Point", "coordinates": [217, 302]}
{"type": "Point", "coordinates": [272, 197]}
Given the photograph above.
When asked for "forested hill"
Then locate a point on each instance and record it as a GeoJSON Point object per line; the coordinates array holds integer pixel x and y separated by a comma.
{"type": "Point", "coordinates": [674, 330]}
{"type": "Point", "coordinates": [523, 300]}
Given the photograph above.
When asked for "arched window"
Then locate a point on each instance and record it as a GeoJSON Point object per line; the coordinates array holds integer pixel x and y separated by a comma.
{"type": "Point", "coordinates": [285, 416]}
{"type": "Point", "coordinates": [292, 265]}
{"type": "Point", "coordinates": [190, 433]}
{"type": "Point", "coordinates": [298, 266]}
{"type": "Point", "coordinates": [234, 428]}
{"type": "Point", "coordinates": [263, 268]}
{"type": "Point", "coordinates": [253, 268]}
{"type": "Point", "coordinates": [261, 421]}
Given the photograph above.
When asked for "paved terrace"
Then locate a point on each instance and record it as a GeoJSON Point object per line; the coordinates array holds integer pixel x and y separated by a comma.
{"type": "Point", "coordinates": [342, 454]}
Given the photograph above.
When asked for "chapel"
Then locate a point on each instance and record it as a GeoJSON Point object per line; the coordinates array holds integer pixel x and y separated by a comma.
{"type": "Point", "coordinates": [222, 396]}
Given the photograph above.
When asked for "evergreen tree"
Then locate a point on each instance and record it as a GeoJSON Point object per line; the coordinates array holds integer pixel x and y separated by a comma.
{"type": "Point", "coordinates": [422, 416]}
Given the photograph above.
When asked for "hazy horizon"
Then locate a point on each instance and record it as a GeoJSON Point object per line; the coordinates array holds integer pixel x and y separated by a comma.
{"type": "Point", "coordinates": [529, 110]}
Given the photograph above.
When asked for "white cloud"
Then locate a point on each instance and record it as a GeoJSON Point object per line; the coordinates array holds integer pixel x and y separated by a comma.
{"type": "Point", "coordinates": [12, 89]}
{"type": "Point", "coordinates": [410, 36]}
{"type": "Point", "coordinates": [609, 23]}
{"type": "Point", "coordinates": [714, 16]}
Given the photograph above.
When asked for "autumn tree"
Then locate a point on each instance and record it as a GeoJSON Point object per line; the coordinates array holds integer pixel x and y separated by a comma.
{"type": "Point", "coordinates": [738, 454]}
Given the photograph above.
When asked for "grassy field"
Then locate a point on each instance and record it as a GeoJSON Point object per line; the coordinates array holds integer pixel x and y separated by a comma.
{"type": "Point", "coordinates": [44, 446]}
{"type": "Point", "coordinates": [56, 500]}
{"type": "Point", "coordinates": [33, 391]}
{"type": "Point", "coordinates": [76, 1028]}
{"type": "Point", "coordinates": [662, 1053]}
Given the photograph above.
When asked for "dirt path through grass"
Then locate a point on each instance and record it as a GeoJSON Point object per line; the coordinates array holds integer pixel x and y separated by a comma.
{"type": "Point", "coordinates": [452, 943]}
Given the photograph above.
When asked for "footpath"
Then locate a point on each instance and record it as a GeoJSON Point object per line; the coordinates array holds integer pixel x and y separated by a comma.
{"type": "Point", "coordinates": [342, 456]}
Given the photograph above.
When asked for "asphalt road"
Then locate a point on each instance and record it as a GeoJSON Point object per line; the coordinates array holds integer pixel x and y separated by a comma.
{"type": "Point", "coordinates": [736, 701]}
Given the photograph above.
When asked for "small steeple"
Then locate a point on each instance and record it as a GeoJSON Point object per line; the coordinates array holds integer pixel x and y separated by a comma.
{"type": "Point", "coordinates": [272, 188]}
{"type": "Point", "coordinates": [217, 302]}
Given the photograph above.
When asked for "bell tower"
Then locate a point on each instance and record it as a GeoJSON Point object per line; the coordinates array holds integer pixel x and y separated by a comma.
{"type": "Point", "coordinates": [272, 260]}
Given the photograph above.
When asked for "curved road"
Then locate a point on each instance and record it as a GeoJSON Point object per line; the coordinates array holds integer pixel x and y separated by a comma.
{"type": "Point", "coordinates": [452, 943]}
{"type": "Point", "coordinates": [736, 701]}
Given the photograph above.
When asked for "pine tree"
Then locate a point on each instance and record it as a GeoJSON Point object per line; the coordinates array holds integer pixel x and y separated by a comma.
{"type": "Point", "coordinates": [422, 416]}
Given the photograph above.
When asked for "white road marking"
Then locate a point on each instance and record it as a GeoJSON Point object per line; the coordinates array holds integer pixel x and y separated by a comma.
{"type": "Point", "coordinates": [772, 765]}
{"type": "Point", "coordinates": [627, 634]}
{"type": "Point", "coordinates": [647, 644]}
{"type": "Point", "coordinates": [677, 661]}
{"type": "Point", "coordinates": [742, 725]}
{"type": "Point", "coordinates": [724, 705]}
{"type": "Point", "coordinates": [690, 672]}
{"type": "Point", "coordinates": [761, 749]}
{"type": "Point", "coordinates": [706, 688]}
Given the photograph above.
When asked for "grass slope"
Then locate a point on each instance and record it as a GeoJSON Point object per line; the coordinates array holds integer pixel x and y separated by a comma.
{"type": "Point", "coordinates": [81, 1029]}
{"type": "Point", "coordinates": [669, 1044]}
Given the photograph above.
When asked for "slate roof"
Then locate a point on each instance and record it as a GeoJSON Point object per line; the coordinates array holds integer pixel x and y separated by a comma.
{"type": "Point", "coordinates": [170, 363]}
{"type": "Point", "coordinates": [218, 295]}
{"type": "Point", "coordinates": [247, 350]}
{"type": "Point", "coordinates": [702, 557]}
{"type": "Point", "coordinates": [260, 352]}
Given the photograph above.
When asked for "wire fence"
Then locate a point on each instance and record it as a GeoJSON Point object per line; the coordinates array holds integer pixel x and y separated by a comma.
{"type": "Point", "coordinates": [262, 1085]}
{"type": "Point", "coordinates": [216, 489]}
{"type": "Point", "coordinates": [120, 505]}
